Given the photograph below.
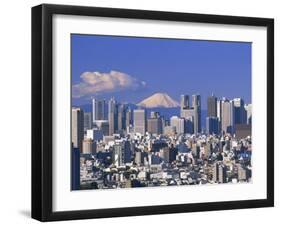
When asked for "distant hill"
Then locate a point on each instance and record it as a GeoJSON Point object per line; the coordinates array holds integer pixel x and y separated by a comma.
{"type": "Point", "coordinates": [159, 100]}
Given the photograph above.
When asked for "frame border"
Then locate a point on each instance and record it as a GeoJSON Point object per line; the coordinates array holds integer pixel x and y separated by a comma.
{"type": "Point", "coordinates": [41, 204]}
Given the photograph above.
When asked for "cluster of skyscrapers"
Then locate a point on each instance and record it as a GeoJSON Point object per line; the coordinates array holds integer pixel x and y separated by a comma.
{"type": "Point", "coordinates": [228, 116]}
{"type": "Point", "coordinates": [118, 145]}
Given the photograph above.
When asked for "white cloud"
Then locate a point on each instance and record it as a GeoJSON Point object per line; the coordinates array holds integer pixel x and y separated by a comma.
{"type": "Point", "coordinates": [96, 82]}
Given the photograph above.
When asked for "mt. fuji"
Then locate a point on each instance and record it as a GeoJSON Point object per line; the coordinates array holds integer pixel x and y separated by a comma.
{"type": "Point", "coordinates": [159, 100]}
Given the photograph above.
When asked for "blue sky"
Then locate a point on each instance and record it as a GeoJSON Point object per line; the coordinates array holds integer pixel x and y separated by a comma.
{"type": "Point", "coordinates": [131, 69]}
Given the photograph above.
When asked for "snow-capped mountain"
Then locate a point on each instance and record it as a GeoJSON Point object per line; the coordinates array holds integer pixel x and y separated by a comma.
{"type": "Point", "coordinates": [159, 100]}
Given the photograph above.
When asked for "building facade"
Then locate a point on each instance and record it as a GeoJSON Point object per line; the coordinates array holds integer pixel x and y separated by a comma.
{"type": "Point", "coordinates": [112, 116]}
{"type": "Point", "coordinates": [227, 116]}
{"type": "Point", "coordinates": [140, 121]}
{"type": "Point", "coordinates": [192, 113]}
{"type": "Point", "coordinates": [98, 109]}
{"type": "Point", "coordinates": [77, 128]}
{"type": "Point", "coordinates": [212, 106]}
{"type": "Point", "coordinates": [212, 125]}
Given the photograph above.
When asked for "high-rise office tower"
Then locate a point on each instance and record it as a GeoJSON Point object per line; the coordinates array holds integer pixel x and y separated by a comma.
{"type": "Point", "coordinates": [212, 106]}
{"type": "Point", "coordinates": [140, 121]}
{"type": "Point", "coordinates": [75, 168]}
{"type": "Point", "coordinates": [103, 125]}
{"type": "Point", "coordinates": [219, 113]}
{"type": "Point", "coordinates": [219, 109]}
{"type": "Point", "coordinates": [121, 121]}
{"type": "Point", "coordinates": [184, 102]}
{"type": "Point", "coordinates": [248, 108]}
{"type": "Point", "coordinates": [98, 112]}
{"type": "Point", "coordinates": [196, 104]}
{"type": "Point", "coordinates": [181, 126]}
{"type": "Point", "coordinates": [212, 125]}
{"type": "Point", "coordinates": [189, 125]}
{"type": "Point", "coordinates": [77, 128]}
{"type": "Point", "coordinates": [127, 152]}
{"type": "Point", "coordinates": [155, 123]}
{"type": "Point", "coordinates": [88, 121]}
{"type": "Point", "coordinates": [112, 116]}
{"type": "Point", "coordinates": [193, 112]}
{"type": "Point", "coordinates": [178, 123]}
{"type": "Point", "coordinates": [227, 116]}
{"type": "Point", "coordinates": [129, 117]}
{"type": "Point", "coordinates": [239, 111]}
{"type": "Point", "coordinates": [189, 114]}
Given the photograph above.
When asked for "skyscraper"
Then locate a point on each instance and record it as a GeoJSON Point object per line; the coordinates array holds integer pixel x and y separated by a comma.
{"type": "Point", "coordinates": [212, 106]}
{"type": "Point", "coordinates": [219, 109]}
{"type": "Point", "coordinates": [121, 121]}
{"type": "Point", "coordinates": [239, 111]}
{"type": "Point", "coordinates": [219, 113]}
{"type": "Point", "coordinates": [193, 112]}
{"type": "Point", "coordinates": [88, 120]}
{"type": "Point", "coordinates": [154, 123]}
{"type": "Point", "coordinates": [127, 152]}
{"type": "Point", "coordinates": [196, 104]}
{"type": "Point", "coordinates": [77, 128]}
{"type": "Point", "coordinates": [184, 101]}
{"type": "Point", "coordinates": [75, 168]}
{"type": "Point", "coordinates": [129, 118]}
{"type": "Point", "coordinates": [178, 123]}
{"type": "Point", "coordinates": [212, 125]}
{"type": "Point", "coordinates": [98, 112]}
{"type": "Point", "coordinates": [248, 108]}
{"type": "Point", "coordinates": [189, 124]}
{"type": "Point", "coordinates": [103, 125]}
{"type": "Point", "coordinates": [227, 117]}
{"type": "Point", "coordinates": [112, 116]}
{"type": "Point", "coordinates": [140, 121]}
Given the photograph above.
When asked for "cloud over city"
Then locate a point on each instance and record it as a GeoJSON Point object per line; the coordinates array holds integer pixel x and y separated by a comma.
{"type": "Point", "coordinates": [94, 83]}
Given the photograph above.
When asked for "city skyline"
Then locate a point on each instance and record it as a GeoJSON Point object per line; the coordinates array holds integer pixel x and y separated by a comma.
{"type": "Point", "coordinates": [225, 112]}
{"type": "Point", "coordinates": [140, 63]}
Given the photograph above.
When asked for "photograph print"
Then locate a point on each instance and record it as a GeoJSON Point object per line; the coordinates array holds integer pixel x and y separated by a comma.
{"type": "Point", "coordinates": [150, 112]}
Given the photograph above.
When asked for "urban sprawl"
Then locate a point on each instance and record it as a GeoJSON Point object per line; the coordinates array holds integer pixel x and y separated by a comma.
{"type": "Point", "coordinates": [115, 146]}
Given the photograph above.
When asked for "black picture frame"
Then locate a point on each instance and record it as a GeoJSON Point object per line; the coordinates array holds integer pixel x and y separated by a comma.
{"type": "Point", "coordinates": [42, 111]}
